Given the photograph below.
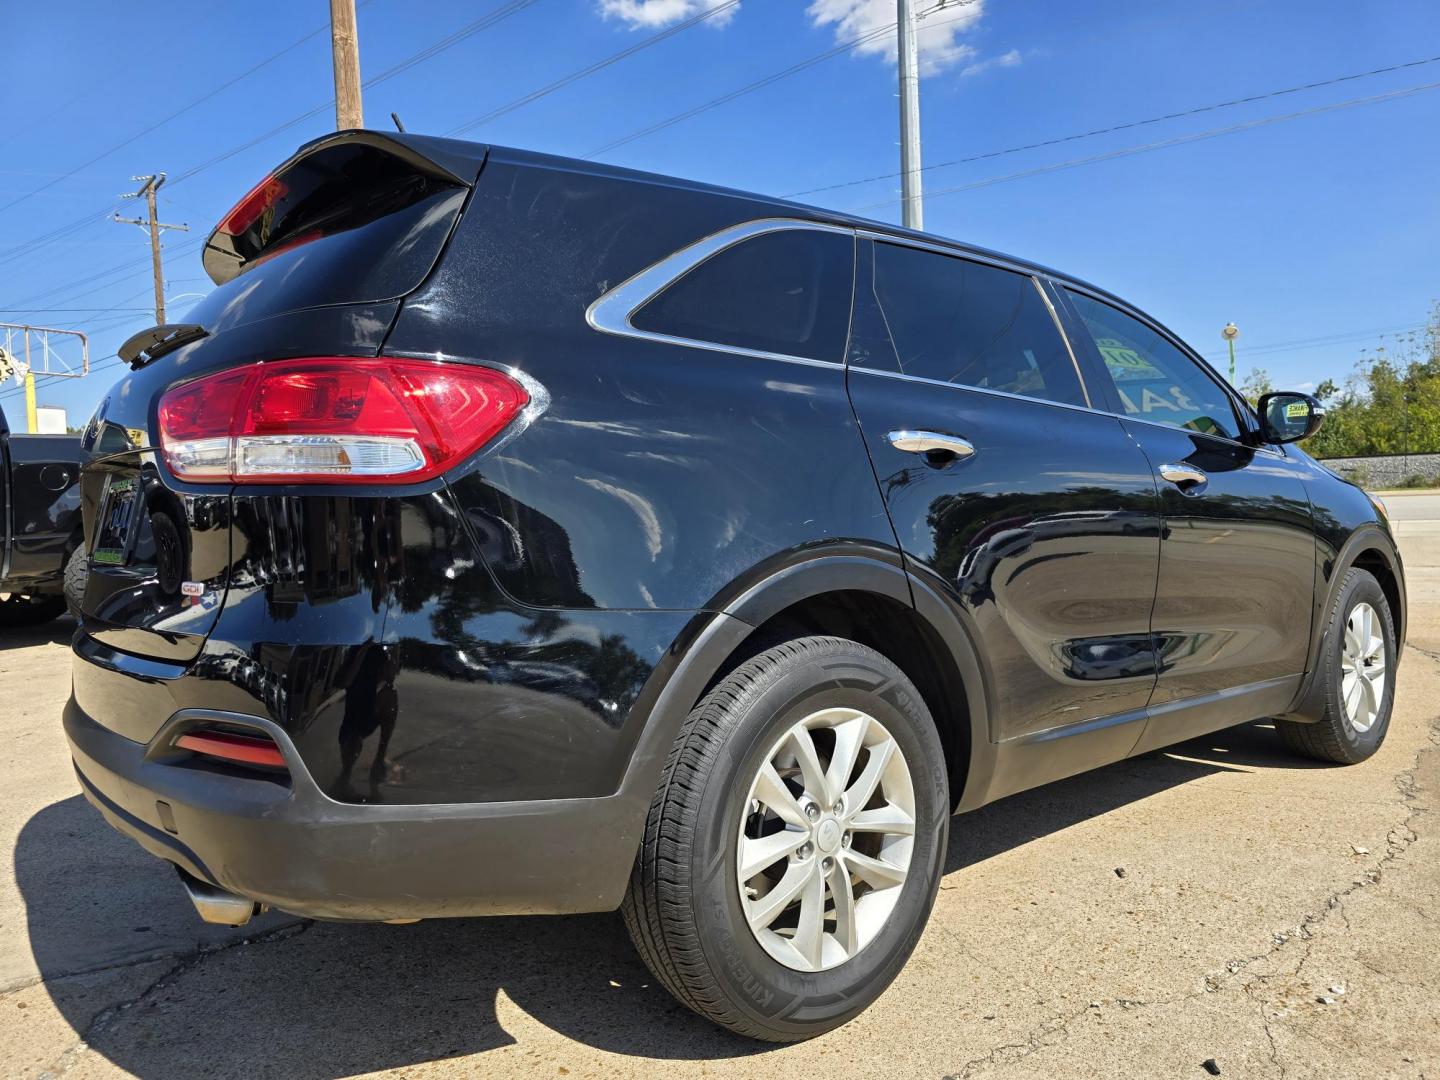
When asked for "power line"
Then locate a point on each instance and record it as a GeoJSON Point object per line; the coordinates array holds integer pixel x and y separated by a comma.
{"type": "Point", "coordinates": [758, 84]}
{"type": "Point", "coordinates": [1178, 140]}
{"type": "Point", "coordinates": [1127, 126]}
{"type": "Point", "coordinates": [1324, 339]}
{"type": "Point", "coordinates": [485, 21]}
{"type": "Point", "coordinates": [575, 76]}
{"type": "Point", "coordinates": [172, 116]}
{"type": "Point", "coordinates": [58, 233]}
{"type": "Point", "coordinates": [474, 27]}
{"type": "Point", "coordinates": [46, 294]}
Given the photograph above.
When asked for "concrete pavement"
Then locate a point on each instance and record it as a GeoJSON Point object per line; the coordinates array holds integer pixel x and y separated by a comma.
{"type": "Point", "coordinates": [1275, 915]}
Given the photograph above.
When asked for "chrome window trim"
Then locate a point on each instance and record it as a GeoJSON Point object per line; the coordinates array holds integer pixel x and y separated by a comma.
{"type": "Point", "coordinates": [1263, 448]}
{"type": "Point", "coordinates": [882, 373]}
{"type": "Point", "coordinates": [1060, 329]}
{"type": "Point", "coordinates": [612, 311]}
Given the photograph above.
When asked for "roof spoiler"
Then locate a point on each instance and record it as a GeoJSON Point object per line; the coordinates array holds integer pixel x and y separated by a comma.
{"type": "Point", "coordinates": [261, 224]}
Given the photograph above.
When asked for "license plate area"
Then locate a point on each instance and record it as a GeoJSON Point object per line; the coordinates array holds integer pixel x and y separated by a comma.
{"type": "Point", "coordinates": [115, 531]}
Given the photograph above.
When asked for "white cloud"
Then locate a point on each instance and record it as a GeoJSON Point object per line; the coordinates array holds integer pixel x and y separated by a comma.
{"type": "Point", "coordinates": [938, 33]}
{"type": "Point", "coordinates": [654, 14]}
{"type": "Point", "coordinates": [1004, 60]}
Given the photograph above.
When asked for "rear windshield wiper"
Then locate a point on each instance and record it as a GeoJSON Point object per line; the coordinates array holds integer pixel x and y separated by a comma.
{"type": "Point", "coordinates": [154, 343]}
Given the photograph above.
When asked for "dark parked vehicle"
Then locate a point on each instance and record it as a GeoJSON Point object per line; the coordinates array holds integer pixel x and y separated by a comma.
{"type": "Point", "coordinates": [40, 525]}
{"type": "Point", "coordinates": [510, 534]}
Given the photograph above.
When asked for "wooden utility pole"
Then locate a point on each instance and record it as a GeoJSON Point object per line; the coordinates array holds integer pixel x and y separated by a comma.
{"type": "Point", "coordinates": [150, 185]}
{"type": "Point", "coordinates": [345, 46]}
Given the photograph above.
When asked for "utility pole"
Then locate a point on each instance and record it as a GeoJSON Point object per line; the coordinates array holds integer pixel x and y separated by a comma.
{"type": "Point", "coordinates": [345, 47]}
{"type": "Point", "coordinates": [913, 210]}
{"type": "Point", "coordinates": [149, 186]}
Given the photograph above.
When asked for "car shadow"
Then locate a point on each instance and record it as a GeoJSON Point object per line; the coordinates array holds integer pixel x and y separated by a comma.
{"type": "Point", "coordinates": [55, 632]}
{"type": "Point", "coordinates": [1018, 819]}
{"type": "Point", "coordinates": [316, 1000]}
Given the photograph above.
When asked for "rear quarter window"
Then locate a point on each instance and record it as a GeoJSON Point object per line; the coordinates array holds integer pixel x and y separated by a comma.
{"type": "Point", "coordinates": [785, 292]}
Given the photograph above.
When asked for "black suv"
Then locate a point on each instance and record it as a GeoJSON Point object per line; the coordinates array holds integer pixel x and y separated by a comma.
{"type": "Point", "coordinates": [510, 534]}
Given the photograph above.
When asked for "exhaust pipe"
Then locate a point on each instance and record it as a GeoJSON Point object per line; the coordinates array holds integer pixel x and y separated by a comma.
{"type": "Point", "coordinates": [216, 905]}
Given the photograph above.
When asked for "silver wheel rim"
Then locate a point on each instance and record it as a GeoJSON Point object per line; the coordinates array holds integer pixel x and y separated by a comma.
{"type": "Point", "coordinates": [1362, 667]}
{"type": "Point", "coordinates": [825, 839]}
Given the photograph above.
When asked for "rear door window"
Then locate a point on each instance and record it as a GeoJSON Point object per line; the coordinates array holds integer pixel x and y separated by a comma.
{"type": "Point", "coordinates": [972, 324]}
{"type": "Point", "coordinates": [785, 292]}
{"type": "Point", "coordinates": [1154, 378]}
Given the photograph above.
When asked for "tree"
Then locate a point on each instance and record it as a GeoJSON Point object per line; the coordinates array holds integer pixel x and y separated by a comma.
{"type": "Point", "coordinates": [1256, 384]}
{"type": "Point", "coordinates": [1390, 404]}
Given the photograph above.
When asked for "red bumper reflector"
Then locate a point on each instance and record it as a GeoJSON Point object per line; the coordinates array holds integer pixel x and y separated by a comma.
{"type": "Point", "coordinates": [245, 749]}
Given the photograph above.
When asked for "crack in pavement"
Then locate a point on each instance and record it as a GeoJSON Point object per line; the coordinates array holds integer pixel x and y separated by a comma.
{"type": "Point", "coordinates": [1400, 837]}
{"type": "Point", "coordinates": [51, 978]}
{"type": "Point", "coordinates": [185, 962]}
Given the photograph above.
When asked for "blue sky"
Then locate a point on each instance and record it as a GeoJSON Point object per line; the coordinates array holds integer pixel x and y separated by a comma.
{"type": "Point", "coordinates": [1314, 234]}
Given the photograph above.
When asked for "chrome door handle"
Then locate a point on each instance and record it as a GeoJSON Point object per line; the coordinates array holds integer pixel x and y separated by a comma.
{"type": "Point", "coordinates": [931, 442]}
{"type": "Point", "coordinates": [1179, 474]}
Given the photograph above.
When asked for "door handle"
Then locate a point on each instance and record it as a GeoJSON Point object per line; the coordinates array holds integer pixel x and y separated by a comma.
{"type": "Point", "coordinates": [1180, 474]}
{"type": "Point", "coordinates": [931, 442]}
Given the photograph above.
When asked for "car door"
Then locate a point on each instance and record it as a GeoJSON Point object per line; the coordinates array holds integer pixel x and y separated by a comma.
{"type": "Point", "coordinates": [1034, 516]}
{"type": "Point", "coordinates": [1233, 602]}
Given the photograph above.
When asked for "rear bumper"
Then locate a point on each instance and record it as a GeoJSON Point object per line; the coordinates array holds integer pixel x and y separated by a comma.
{"type": "Point", "coordinates": [294, 848]}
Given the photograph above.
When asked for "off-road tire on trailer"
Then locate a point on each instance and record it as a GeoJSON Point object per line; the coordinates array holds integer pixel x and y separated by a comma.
{"type": "Point", "coordinates": [684, 908]}
{"type": "Point", "coordinates": [1351, 649]}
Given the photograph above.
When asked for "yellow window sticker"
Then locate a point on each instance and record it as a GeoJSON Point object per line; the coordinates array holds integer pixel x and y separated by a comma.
{"type": "Point", "coordinates": [1124, 363]}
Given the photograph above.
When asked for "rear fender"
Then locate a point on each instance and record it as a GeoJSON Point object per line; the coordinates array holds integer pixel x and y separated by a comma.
{"type": "Point", "coordinates": [713, 637]}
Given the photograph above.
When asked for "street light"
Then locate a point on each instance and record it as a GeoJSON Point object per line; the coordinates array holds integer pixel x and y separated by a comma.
{"type": "Point", "coordinates": [1230, 333]}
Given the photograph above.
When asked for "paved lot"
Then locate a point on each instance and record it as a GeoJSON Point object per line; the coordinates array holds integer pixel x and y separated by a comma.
{"type": "Point", "coordinates": [1254, 886]}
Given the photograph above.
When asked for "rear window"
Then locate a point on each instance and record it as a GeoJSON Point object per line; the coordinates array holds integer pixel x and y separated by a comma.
{"type": "Point", "coordinates": [383, 259]}
{"type": "Point", "coordinates": [352, 223]}
{"type": "Point", "coordinates": [969, 323]}
{"type": "Point", "coordinates": [785, 292]}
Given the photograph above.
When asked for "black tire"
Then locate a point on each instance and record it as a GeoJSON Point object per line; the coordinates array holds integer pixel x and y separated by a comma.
{"type": "Point", "coordinates": [77, 567]}
{"type": "Point", "coordinates": [683, 907]}
{"type": "Point", "coordinates": [17, 610]}
{"type": "Point", "coordinates": [1335, 738]}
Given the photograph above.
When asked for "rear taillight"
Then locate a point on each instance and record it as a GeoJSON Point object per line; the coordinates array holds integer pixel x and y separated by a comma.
{"type": "Point", "coordinates": [334, 420]}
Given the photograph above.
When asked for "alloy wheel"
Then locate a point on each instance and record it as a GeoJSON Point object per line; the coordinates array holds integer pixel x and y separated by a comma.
{"type": "Point", "coordinates": [1362, 666]}
{"type": "Point", "coordinates": [825, 839]}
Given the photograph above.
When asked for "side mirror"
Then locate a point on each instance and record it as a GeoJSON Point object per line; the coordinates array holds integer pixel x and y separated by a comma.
{"type": "Point", "coordinates": [1289, 417]}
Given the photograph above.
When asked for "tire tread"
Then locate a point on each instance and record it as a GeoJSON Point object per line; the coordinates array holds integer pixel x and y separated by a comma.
{"type": "Point", "coordinates": [1324, 740]}
{"type": "Point", "coordinates": [657, 904]}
